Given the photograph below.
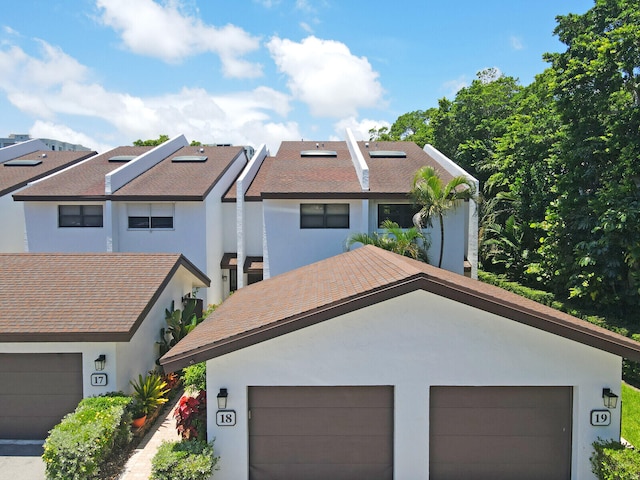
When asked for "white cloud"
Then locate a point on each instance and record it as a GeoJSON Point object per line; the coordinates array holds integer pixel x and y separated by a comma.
{"type": "Point", "coordinates": [452, 87]}
{"type": "Point", "coordinates": [55, 131]}
{"type": "Point", "coordinates": [360, 128]}
{"type": "Point", "coordinates": [326, 76]}
{"type": "Point", "coordinates": [516, 43]}
{"type": "Point", "coordinates": [306, 27]}
{"type": "Point", "coordinates": [244, 117]}
{"type": "Point", "coordinates": [163, 31]}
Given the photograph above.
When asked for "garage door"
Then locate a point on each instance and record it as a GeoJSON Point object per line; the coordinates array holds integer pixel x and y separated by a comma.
{"type": "Point", "coordinates": [37, 390]}
{"type": "Point", "coordinates": [500, 433]}
{"type": "Point", "coordinates": [310, 433]}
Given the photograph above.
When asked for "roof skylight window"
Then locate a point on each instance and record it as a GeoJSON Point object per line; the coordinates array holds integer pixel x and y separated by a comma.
{"type": "Point", "coordinates": [22, 163]}
{"type": "Point", "coordinates": [122, 158]}
{"type": "Point", "coordinates": [319, 153]}
{"type": "Point", "coordinates": [387, 154]}
{"type": "Point", "coordinates": [189, 159]}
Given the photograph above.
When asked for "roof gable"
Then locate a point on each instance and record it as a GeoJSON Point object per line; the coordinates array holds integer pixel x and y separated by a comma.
{"type": "Point", "coordinates": [82, 297]}
{"type": "Point", "coordinates": [356, 279]}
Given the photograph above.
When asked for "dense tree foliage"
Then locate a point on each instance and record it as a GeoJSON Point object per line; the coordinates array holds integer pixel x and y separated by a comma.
{"type": "Point", "coordinates": [558, 160]}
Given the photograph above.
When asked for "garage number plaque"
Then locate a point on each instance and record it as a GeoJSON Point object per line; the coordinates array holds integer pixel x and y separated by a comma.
{"type": "Point", "coordinates": [225, 418]}
{"type": "Point", "coordinates": [98, 379]}
{"type": "Point", "coordinates": [600, 418]}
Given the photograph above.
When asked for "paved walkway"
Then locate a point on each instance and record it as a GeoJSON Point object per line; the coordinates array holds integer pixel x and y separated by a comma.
{"type": "Point", "coordinates": [138, 466]}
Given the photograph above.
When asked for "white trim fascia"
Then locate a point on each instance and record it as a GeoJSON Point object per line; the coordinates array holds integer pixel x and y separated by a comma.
{"type": "Point", "coordinates": [242, 185]}
{"type": "Point", "coordinates": [22, 148]}
{"type": "Point", "coordinates": [119, 177]}
{"type": "Point", "coordinates": [359, 163]}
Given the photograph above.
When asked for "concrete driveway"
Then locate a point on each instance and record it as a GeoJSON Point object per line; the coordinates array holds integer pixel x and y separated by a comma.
{"type": "Point", "coordinates": [21, 460]}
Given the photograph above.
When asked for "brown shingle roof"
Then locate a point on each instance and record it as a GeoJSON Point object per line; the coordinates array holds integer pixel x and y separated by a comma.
{"type": "Point", "coordinates": [83, 182]}
{"type": "Point", "coordinates": [13, 178]}
{"type": "Point", "coordinates": [82, 297]}
{"type": "Point", "coordinates": [165, 181]}
{"type": "Point", "coordinates": [356, 279]}
{"type": "Point", "coordinates": [290, 174]}
{"type": "Point", "coordinates": [182, 181]}
{"type": "Point", "coordinates": [395, 175]}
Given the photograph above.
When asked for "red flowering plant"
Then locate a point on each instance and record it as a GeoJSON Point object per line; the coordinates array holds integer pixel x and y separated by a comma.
{"type": "Point", "coordinates": [191, 417]}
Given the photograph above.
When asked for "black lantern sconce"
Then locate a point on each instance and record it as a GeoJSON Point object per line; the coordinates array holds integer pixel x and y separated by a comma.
{"type": "Point", "coordinates": [222, 399]}
{"type": "Point", "coordinates": [100, 362]}
{"type": "Point", "coordinates": [609, 398]}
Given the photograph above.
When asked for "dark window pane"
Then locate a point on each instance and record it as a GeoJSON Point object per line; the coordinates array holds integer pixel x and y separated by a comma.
{"type": "Point", "coordinates": [138, 222]}
{"type": "Point", "coordinates": [312, 221]}
{"type": "Point", "coordinates": [337, 221]}
{"type": "Point", "coordinates": [254, 278]}
{"type": "Point", "coordinates": [402, 214]}
{"type": "Point", "coordinates": [161, 222]}
{"type": "Point", "coordinates": [80, 215]}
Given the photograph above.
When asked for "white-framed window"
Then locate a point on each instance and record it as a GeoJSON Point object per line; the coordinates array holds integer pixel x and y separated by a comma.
{"type": "Point", "coordinates": [324, 215]}
{"type": "Point", "coordinates": [150, 216]}
{"type": "Point", "coordinates": [80, 216]}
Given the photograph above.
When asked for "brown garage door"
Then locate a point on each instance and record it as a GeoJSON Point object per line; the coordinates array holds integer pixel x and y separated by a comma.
{"type": "Point", "coordinates": [310, 433]}
{"type": "Point", "coordinates": [500, 433]}
{"type": "Point", "coordinates": [37, 390]}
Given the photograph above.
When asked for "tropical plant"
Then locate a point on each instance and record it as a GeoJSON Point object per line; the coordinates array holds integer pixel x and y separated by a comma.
{"type": "Point", "coordinates": [191, 416]}
{"type": "Point", "coordinates": [179, 324]}
{"type": "Point", "coordinates": [150, 392]}
{"type": "Point", "coordinates": [437, 197]}
{"type": "Point", "coordinates": [408, 242]}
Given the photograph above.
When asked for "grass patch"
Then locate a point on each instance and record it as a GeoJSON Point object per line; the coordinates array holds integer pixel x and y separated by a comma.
{"type": "Point", "coordinates": [631, 414]}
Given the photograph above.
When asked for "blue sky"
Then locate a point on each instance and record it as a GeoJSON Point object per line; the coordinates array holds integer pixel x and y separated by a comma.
{"type": "Point", "coordinates": [104, 73]}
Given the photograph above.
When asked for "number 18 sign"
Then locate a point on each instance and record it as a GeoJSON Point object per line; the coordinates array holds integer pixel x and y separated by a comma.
{"type": "Point", "coordinates": [225, 418]}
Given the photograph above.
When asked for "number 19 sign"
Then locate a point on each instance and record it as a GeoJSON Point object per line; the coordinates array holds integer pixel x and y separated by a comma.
{"type": "Point", "coordinates": [600, 418]}
{"type": "Point", "coordinates": [225, 418]}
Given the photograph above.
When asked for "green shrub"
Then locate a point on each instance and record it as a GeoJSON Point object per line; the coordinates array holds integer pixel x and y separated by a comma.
{"type": "Point", "coordinates": [186, 460]}
{"type": "Point", "coordinates": [150, 392]}
{"type": "Point", "coordinates": [611, 460]}
{"type": "Point", "coordinates": [79, 445]}
{"type": "Point", "coordinates": [194, 377]}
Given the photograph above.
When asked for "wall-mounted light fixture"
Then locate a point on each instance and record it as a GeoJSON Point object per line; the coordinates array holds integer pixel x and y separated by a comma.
{"type": "Point", "coordinates": [224, 278]}
{"type": "Point", "coordinates": [609, 398]}
{"type": "Point", "coordinates": [222, 399]}
{"type": "Point", "coordinates": [100, 362]}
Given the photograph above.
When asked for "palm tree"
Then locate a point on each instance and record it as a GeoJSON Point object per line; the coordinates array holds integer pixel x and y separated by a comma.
{"type": "Point", "coordinates": [409, 242]}
{"type": "Point", "coordinates": [436, 198]}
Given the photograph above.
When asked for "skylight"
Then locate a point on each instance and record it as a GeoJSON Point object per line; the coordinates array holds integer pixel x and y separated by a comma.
{"type": "Point", "coordinates": [189, 159]}
{"type": "Point", "coordinates": [22, 163]}
{"type": "Point", "coordinates": [122, 158]}
{"type": "Point", "coordinates": [387, 154]}
{"type": "Point", "coordinates": [319, 153]}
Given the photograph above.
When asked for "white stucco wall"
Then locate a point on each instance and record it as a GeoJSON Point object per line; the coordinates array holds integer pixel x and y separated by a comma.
{"type": "Point", "coordinates": [290, 246]}
{"type": "Point", "coordinates": [44, 235]}
{"type": "Point", "coordinates": [414, 342]}
{"type": "Point", "coordinates": [12, 238]}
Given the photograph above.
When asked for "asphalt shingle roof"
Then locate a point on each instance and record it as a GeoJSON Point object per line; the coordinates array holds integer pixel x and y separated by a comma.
{"type": "Point", "coordinates": [166, 180]}
{"type": "Point", "coordinates": [13, 178]}
{"type": "Point", "coordinates": [359, 278]}
{"type": "Point", "coordinates": [82, 297]}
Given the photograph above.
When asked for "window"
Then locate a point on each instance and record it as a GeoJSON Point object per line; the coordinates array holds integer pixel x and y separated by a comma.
{"type": "Point", "coordinates": [401, 213]}
{"type": "Point", "coordinates": [154, 216]}
{"type": "Point", "coordinates": [324, 215]}
{"type": "Point", "coordinates": [80, 215]}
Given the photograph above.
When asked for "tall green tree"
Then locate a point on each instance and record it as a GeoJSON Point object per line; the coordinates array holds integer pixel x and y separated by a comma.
{"type": "Point", "coordinates": [408, 242]}
{"type": "Point", "coordinates": [593, 227]}
{"type": "Point", "coordinates": [437, 198]}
